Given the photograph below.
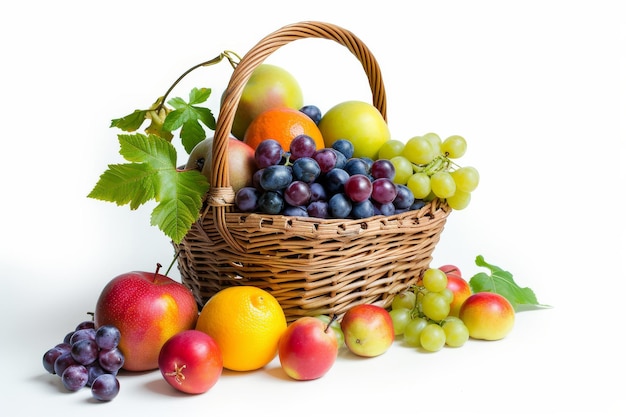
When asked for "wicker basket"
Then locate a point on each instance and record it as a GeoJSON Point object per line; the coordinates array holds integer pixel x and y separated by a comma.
{"type": "Point", "coordinates": [312, 266]}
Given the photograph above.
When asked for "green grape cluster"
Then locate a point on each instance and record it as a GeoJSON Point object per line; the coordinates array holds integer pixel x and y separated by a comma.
{"type": "Point", "coordinates": [421, 315]}
{"type": "Point", "coordinates": [426, 165]}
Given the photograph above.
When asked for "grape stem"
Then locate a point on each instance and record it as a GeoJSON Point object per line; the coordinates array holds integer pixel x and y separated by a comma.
{"type": "Point", "coordinates": [231, 56]}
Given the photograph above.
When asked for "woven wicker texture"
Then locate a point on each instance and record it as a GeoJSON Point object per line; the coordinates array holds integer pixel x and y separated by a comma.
{"type": "Point", "coordinates": [312, 266]}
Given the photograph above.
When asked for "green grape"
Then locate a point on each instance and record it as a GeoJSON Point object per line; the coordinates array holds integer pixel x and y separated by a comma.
{"type": "Point", "coordinates": [413, 330]}
{"type": "Point", "coordinates": [442, 184]}
{"type": "Point", "coordinates": [432, 337]}
{"type": "Point", "coordinates": [434, 140]}
{"type": "Point", "coordinates": [435, 306]}
{"type": "Point", "coordinates": [405, 299]}
{"type": "Point", "coordinates": [419, 150]}
{"type": "Point", "coordinates": [390, 149]}
{"type": "Point", "coordinates": [466, 178]}
{"type": "Point", "coordinates": [404, 169]}
{"type": "Point", "coordinates": [454, 146]}
{"type": "Point", "coordinates": [447, 294]}
{"type": "Point", "coordinates": [419, 184]}
{"type": "Point", "coordinates": [434, 280]}
{"type": "Point", "coordinates": [456, 332]}
{"type": "Point", "coordinates": [400, 318]}
{"type": "Point", "coordinates": [459, 200]}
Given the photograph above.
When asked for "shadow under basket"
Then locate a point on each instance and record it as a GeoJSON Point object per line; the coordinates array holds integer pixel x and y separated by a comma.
{"type": "Point", "coordinates": [313, 266]}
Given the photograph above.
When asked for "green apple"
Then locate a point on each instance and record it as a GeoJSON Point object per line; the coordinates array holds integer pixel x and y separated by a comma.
{"type": "Point", "coordinates": [269, 86]}
{"type": "Point", "coordinates": [359, 122]}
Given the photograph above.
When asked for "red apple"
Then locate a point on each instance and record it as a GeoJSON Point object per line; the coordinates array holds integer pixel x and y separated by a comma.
{"type": "Point", "coordinates": [461, 290]}
{"type": "Point", "coordinates": [307, 349]}
{"type": "Point", "coordinates": [451, 269]}
{"type": "Point", "coordinates": [148, 308]}
{"type": "Point", "coordinates": [191, 361]}
{"type": "Point", "coordinates": [368, 330]}
{"type": "Point", "coordinates": [241, 162]}
{"type": "Point", "coordinates": [487, 316]}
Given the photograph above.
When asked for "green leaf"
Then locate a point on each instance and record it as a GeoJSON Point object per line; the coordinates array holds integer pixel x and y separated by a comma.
{"type": "Point", "coordinates": [191, 134]}
{"type": "Point", "coordinates": [502, 282]}
{"type": "Point", "coordinates": [180, 200]}
{"type": "Point", "coordinates": [152, 175]}
{"type": "Point", "coordinates": [131, 184]}
{"type": "Point", "coordinates": [131, 122]}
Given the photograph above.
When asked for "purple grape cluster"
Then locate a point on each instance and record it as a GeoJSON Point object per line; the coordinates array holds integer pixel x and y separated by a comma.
{"type": "Point", "coordinates": [323, 183]}
{"type": "Point", "coordinates": [88, 357]}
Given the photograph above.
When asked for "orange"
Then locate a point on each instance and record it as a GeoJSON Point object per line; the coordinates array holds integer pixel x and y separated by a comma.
{"type": "Point", "coordinates": [246, 322]}
{"type": "Point", "coordinates": [282, 124]}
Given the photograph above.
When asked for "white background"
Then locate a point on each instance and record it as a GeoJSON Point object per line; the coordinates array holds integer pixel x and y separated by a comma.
{"type": "Point", "coordinates": [537, 89]}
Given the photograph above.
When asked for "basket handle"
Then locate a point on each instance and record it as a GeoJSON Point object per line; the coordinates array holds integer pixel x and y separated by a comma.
{"type": "Point", "coordinates": [221, 194]}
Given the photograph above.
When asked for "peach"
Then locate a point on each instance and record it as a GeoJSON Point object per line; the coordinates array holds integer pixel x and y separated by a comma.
{"type": "Point", "coordinates": [487, 316]}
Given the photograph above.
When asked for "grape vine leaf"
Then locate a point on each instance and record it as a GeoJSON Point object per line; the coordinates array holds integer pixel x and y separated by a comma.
{"type": "Point", "coordinates": [187, 115]}
{"type": "Point", "coordinates": [131, 122]}
{"type": "Point", "coordinates": [151, 174]}
{"type": "Point", "coordinates": [502, 282]}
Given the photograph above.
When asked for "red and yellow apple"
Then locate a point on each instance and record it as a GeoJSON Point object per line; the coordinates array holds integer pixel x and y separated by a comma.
{"type": "Point", "coordinates": [148, 308]}
{"type": "Point", "coordinates": [269, 86]}
{"type": "Point", "coordinates": [487, 316]}
{"type": "Point", "coordinates": [460, 288]}
{"type": "Point", "coordinates": [307, 349]}
{"type": "Point", "coordinates": [191, 361]}
{"type": "Point", "coordinates": [368, 330]}
{"type": "Point", "coordinates": [241, 163]}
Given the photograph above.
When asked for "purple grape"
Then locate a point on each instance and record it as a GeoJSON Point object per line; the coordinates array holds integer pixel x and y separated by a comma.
{"type": "Point", "coordinates": [339, 206]}
{"type": "Point", "coordinates": [387, 209]}
{"type": "Point", "coordinates": [345, 147]}
{"type": "Point", "coordinates": [276, 177]}
{"type": "Point", "coordinates": [297, 193]}
{"type": "Point", "coordinates": [105, 387]}
{"type": "Point", "coordinates": [405, 197]}
{"type": "Point", "coordinates": [384, 190]}
{"type": "Point", "coordinates": [87, 324]}
{"type": "Point", "coordinates": [94, 370]}
{"type": "Point", "coordinates": [318, 209]}
{"type": "Point", "coordinates": [334, 181]}
{"type": "Point", "coordinates": [295, 211]}
{"type": "Point", "coordinates": [68, 337]}
{"type": "Point", "coordinates": [417, 204]}
{"type": "Point", "coordinates": [363, 209]}
{"type": "Point", "coordinates": [52, 354]}
{"type": "Point", "coordinates": [301, 146]}
{"type": "Point", "coordinates": [326, 158]}
{"type": "Point", "coordinates": [75, 377]}
{"type": "Point", "coordinates": [63, 361]}
{"type": "Point", "coordinates": [269, 152]}
{"type": "Point", "coordinates": [383, 168]}
{"type": "Point", "coordinates": [256, 179]}
{"type": "Point", "coordinates": [318, 193]}
{"type": "Point", "coordinates": [358, 188]}
{"type": "Point", "coordinates": [313, 112]}
{"type": "Point", "coordinates": [271, 202]}
{"type": "Point", "coordinates": [83, 334]}
{"type": "Point", "coordinates": [85, 351]}
{"type": "Point", "coordinates": [247, 199]}
{"type": "Point", "coordinates": [341, 159]}
{"type": "Point", "coordinates": [107, 336]}
{"type": "Point", "coordinates": [306, 169]}
{"type": "Point", "coordinates": [356, 166]}
{"type": "Point", "coordinates": [111, 360]}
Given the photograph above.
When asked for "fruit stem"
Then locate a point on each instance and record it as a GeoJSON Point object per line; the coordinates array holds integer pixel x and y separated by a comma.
{"type": "Point", "coordinates": [172, 263]}
{"type": "Point", "coordinates": [333, 318]}
{"type": "Point", "coordinates": [158, 267]}
{"type": "Point", "coordinates": [231, 56]}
